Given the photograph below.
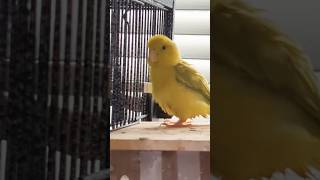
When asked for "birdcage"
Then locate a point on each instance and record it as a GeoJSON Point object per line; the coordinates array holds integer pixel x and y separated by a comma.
{"type": "Point", "coordinates": [53, 81]}
{"type": "Point", "coordinates": [133, 22]}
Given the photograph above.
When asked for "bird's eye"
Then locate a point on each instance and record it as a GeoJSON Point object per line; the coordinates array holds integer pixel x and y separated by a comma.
{"type": "Point", "coordinates": [163, 47]}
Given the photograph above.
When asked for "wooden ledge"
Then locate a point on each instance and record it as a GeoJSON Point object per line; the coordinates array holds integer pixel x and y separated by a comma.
{"type": "Point", "coordinates": [150, 136]}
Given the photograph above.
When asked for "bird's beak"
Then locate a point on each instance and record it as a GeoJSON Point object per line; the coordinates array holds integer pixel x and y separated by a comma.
{"type": "Point", "coordinates": [152, 55]}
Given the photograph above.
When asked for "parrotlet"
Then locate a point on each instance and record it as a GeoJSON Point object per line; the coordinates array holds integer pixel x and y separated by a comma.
{"type": "Point", "coordinates": [177, 87]}
{"type": "Point", "coordinates": [266, 100]}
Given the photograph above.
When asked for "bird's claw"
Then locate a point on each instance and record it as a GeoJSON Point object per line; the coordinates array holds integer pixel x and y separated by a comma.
{"type": "Point", "coordinates": [169, 123]}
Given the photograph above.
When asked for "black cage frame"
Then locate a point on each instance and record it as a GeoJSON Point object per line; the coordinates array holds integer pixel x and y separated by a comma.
{"type": "Point", "coordinates": [133, 22]}
{"type": "Point", "coordinates": [53, 80]}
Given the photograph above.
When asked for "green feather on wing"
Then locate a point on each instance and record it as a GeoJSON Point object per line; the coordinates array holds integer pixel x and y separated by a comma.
{"type": "Point", "coordinates": [190, 78]}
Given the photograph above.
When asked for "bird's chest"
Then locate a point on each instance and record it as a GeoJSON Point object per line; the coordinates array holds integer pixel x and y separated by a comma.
{"type": "Point", "coordinates": [163, 82]}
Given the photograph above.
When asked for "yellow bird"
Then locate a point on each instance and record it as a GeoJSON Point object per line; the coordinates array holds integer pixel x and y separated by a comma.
{"type": "Point", "coordinates": [267, 111]}
{"type": "Point", "coordinates": [177, 87]}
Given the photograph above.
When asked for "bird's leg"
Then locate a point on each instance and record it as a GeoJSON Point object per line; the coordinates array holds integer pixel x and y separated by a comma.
{"type": "Point", "coordinates": [179, 123]}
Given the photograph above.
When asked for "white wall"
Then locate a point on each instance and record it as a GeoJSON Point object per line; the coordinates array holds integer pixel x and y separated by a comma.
{"type": "Point", "coordinates": [192, 33]}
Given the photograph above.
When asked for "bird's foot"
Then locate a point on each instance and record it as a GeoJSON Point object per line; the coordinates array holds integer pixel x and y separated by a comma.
{"type": "Point", "coordinates": [179, 123]}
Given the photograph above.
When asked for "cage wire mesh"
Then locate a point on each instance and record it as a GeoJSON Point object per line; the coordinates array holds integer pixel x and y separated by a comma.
{"type": "Point", "coordinates": [54, 110]}
{"type": "Point", "coordinates": [133, 22]}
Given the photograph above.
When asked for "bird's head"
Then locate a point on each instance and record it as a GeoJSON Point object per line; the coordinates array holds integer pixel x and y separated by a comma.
{"type": "Point", "coordinates": [162, 51]}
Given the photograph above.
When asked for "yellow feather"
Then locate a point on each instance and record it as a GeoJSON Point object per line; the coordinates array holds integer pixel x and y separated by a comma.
{"type": "Point", "coordinates": [182, 95]}
{"type": "Point", "coordinates": [267, 114]}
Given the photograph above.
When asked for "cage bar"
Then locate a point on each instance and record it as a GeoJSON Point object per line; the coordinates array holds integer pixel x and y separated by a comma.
{"type": "Point", "coordinates": [133, 22]}
{"type": "Point", "coordinates": [54, 104]}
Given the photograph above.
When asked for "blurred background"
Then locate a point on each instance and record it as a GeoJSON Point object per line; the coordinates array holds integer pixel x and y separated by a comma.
{"type": "Point", "coordinates": [300, 22]}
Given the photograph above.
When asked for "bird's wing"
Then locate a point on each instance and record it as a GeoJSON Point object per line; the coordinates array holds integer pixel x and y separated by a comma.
{"type": "Point", "coordinates": [192, 79]}
{"type": "Point", "coordinates": [246, 42]}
